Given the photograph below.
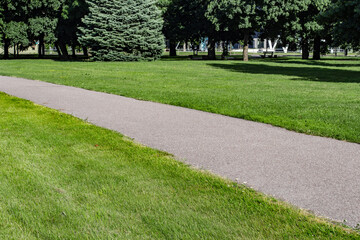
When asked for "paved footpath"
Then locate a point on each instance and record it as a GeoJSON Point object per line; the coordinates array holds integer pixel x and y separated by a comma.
{"type": "Point", "coordinates": [314, 173]}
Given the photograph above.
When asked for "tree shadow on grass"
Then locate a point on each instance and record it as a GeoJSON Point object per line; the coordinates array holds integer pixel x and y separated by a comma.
{"type": "Point", "coordinates": [325, 62]}
{"type": "Point", "coordinates": [301, 73]}
{"type": "Point", "coordinates": [78, 58]}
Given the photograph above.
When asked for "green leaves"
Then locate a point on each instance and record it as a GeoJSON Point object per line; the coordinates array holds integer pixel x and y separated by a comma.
{"type": "Point", "coordinates": [345, 17]}
{"type": "Point", "coordinates": [233, 15]}
{"type": "Point", "coordinates": [16, 32]}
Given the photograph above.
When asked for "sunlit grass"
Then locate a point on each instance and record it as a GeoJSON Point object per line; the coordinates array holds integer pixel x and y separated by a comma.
{"type": "Point", "coordinates": [62, 178]}
{"type": "Point", "coordinates": [313, 97]}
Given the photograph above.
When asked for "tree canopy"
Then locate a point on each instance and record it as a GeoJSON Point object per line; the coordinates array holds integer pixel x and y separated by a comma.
{"type": "Point", "coordinates": [345, 17]}
{"type": "Point", "coordinates": [132, 30]}
{"type": "Point", "coordinates": [235, 18]}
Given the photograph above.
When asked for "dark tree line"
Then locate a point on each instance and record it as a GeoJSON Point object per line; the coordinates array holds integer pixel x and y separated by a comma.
{"type": "Point", "coordinates": [130, 30]}
{"type": "Point", "coordinates": [113, 30]}
{"type": "Point", "coordinates": [312, 24]}
{"type": "Point", "coordinates": [24, 23]}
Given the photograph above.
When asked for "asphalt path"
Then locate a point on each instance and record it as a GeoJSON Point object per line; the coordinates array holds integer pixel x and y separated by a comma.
{"type": "Point", "coordinates": [314, 173]}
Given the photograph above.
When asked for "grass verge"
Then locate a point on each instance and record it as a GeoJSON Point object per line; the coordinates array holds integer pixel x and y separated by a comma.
{"type": "Point", "coordinates": [314, 97]}
{"type": "Point", "coordinates": [62, 178]}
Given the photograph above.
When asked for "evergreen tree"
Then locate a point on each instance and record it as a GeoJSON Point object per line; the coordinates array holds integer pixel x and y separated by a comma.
{"type": "Point", "coordinates": [123, 30]}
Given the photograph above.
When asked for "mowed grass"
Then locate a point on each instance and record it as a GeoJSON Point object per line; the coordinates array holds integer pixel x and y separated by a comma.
{"type": "Point", "coordinates": [63, 178]}
{"type": "Point", "coordinates": [313, 97]}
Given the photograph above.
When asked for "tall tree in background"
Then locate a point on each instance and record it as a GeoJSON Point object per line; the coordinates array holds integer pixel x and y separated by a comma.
{"type": "Point", "coordinates": [235, 16]}
{"type": "Point", "coordinates": [173, 25]}
{"type": "Point", "coordinates": [345, 17]}
{"type": "Point", "coordinates": [310, 27]}
{"type": "Point", "coordinates": [13, 18]}
{"type": "Point", "coordinates": [295, 21]}
{"type": "Point", "coordinates": [70, 19]}
{"type": "Point", "coordinates": [42, 22]}
{"type": "Point", "coordinates": [1, 22]}
{"type": "Point", "coordinates": [120, 30]}
{"type": "Point", "coordinates": [279, 19]}
{"type": "Point", "coordinates": [185, 20]}
{"type": "Point", "coordinates": [16, 33]}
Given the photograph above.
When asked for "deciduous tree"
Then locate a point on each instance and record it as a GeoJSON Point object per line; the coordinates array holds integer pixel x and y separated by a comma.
{"type": "Point", "coordinates": [237, 17]}
{"type": "Point", "coordinates": [345, 17]}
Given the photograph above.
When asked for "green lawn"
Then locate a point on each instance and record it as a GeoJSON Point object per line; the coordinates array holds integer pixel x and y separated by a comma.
{"type": "Point", "coordinates": [62, 178]}
{"type": "Point", "coordinates": [319, 98]}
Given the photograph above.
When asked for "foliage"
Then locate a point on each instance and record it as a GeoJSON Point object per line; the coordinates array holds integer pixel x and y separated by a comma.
{"type": "Point", "coordinates": [185, 21]}
{"type": "Point", "coordinates": [345, 16]}
{"type": "Point", "coordinates": [279, 18]}
{"type": "Point", "coordinates": [16, 32]}
{"type": "Point", "coordinates": [43, 27]}
{"type": "Point", "coordinates": [119, 30]}
{"type": "Point", "coordinates": [295, 21]}
{"type": "Point", "coordinates": [235, 18]}
{"type": "Point", "coordinates": [43, 18]}
{"type": "Point", "coordinates": [70, 20]}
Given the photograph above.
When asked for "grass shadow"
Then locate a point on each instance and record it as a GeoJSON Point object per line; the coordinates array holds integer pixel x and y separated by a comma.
{"type": "Point", "coordinates": [331, 62]}
{"type": "Point", "coordinates": [302, 73]}
{"type": "Point", "coordinates": [78, 58]}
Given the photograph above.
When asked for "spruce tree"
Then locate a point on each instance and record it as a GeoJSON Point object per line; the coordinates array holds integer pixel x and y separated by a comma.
{"type": "Point", "coordinates": [123, 30]}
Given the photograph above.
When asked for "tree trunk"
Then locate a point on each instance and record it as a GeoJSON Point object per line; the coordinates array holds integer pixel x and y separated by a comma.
{"type": "Point", "coordinates": [85, 51]}
{"type": "Point", "coordinates": [40, 50]}
{"type": "Point", "coordinates": [58, 49]}
{"type": "Point", "coordinates": [172, 49]}
{"type": "Point", "coordinates": [6, 49]}
{"type": "Point", "coordinates": [225, 49]}
{"type": "Point", "coordinates": [41, 47]}
{"type": "Point", "coordinates": [246, 46]}
{"type": "Point", "coordinates": [305, 48]}
{"type": "Point", "coordinates": [14, 50]}
{"type": "Point", "coordinates": [73, 49]}
{"type": "Point", "coordinates": [212, 50]}
{"type": "Point", "coordinates": [64, 50]}
{"type": "Point", "coordinates": [317, 48]}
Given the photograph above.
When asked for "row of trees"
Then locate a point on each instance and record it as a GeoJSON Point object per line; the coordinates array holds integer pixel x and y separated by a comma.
{"type": "Point", "coordinates": [312, 24]}
{"type": "Point", "coordinates": [114, 30]}
{"type": "Point", "coordinates": [131, 29]}
{"type": "Point", "coordinates": [24, 23]}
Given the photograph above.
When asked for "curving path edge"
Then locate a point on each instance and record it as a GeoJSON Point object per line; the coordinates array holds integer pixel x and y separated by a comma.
{"type": "Point", "coordinates": [313, 173]}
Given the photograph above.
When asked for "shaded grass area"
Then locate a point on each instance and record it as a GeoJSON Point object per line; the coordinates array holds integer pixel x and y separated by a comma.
{"type": "Point", "coordinates": [313, 97]}
{"type": "Point", "coordinates": [62, 178]}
